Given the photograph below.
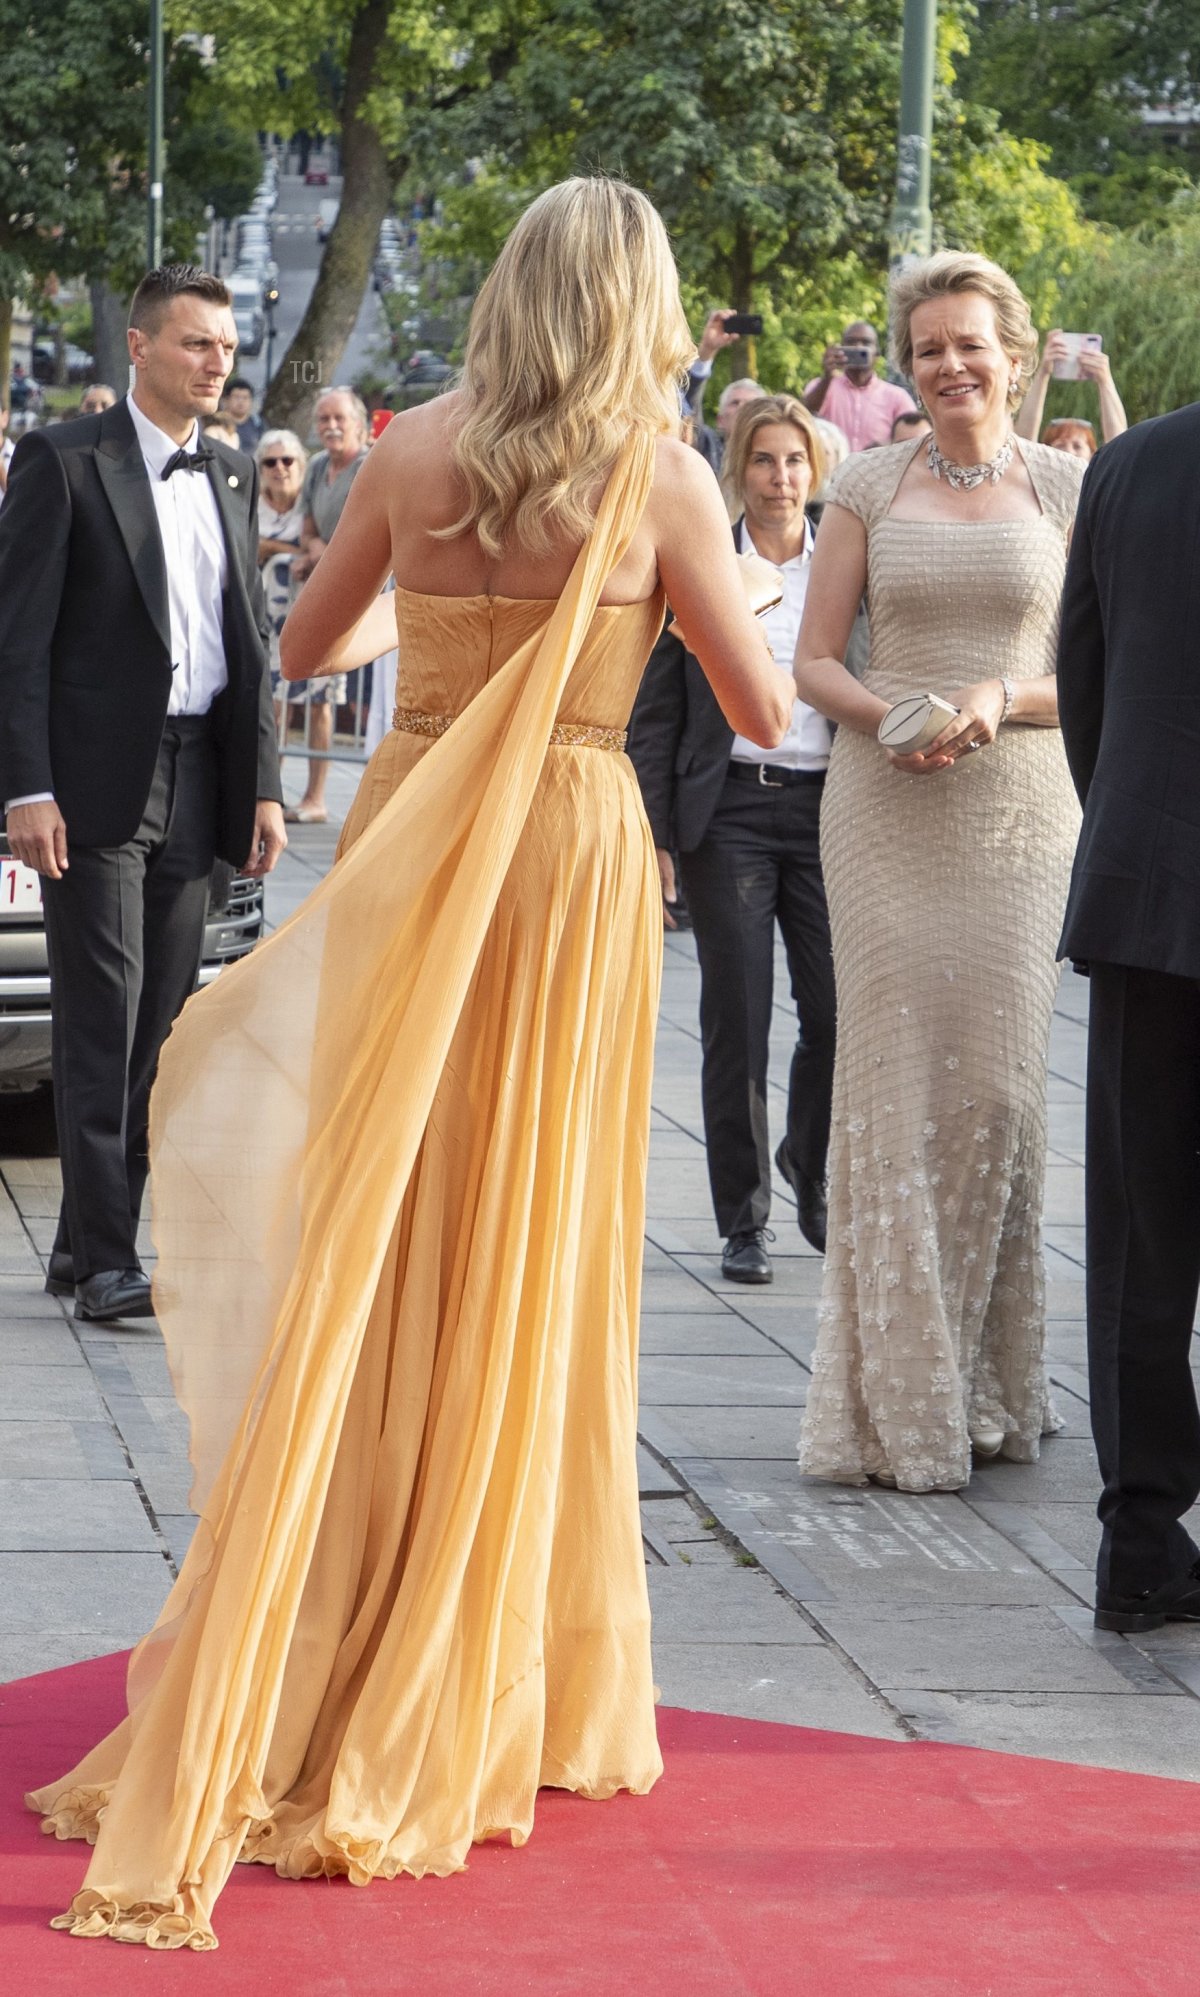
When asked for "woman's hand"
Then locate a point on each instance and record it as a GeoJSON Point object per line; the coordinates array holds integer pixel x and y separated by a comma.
{"type": "Point", "coordinates": [980, 710]}
{"type": "Point", "coordinates": [1055, 349]}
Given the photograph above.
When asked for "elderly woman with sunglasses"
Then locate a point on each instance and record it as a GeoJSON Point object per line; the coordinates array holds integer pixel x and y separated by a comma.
{"type": "Point", "coordinates": [282, 460]}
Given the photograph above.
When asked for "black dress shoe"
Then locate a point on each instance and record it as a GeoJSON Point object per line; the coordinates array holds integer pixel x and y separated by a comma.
{"type": "Point", "coordinates": [744, 1258]}
{"type": "Point", "coordinates": [60, 1277]}
{"type": "Point", "coordinates": [1177, 1601]}
{"type": "Point", "coordinates": [113, 1293]}
{"type": "Point", "coordinates": [810, 1199]}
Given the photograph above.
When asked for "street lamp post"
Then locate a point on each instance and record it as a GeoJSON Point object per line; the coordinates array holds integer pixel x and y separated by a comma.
{"type": "Point", "coordinates": [154, 159]}
{"type": "Point", "coordinates": [911, 232]}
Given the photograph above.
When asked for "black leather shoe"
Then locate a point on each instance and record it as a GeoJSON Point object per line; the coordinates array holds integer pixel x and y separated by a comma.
{"type": "Point", "coordinates": [113, 1293]}
{"type": "Point", "coordinates": [744, 1258]}
{"type": "Point", "coordinates": [60, 1277]}
{"type": "Point", "coordinates": [810, 1200]}
{"type": "Point", "coordinates": [1177, 1601]}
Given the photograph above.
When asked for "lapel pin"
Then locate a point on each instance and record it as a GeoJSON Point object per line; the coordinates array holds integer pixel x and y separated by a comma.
{"type": "Point", "coordinates": [233, 478]}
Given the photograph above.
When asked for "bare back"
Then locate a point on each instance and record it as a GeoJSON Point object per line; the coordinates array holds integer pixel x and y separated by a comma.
{"type": "Point", "coordinates": [430, 496]}
{"type": "Point", "coordinates": [408, 489]}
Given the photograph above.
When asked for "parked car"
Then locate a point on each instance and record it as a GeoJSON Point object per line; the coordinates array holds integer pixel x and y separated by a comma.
{"type": "Point", "coordinates": [80, 366]}
{"type": "Point", "coordinates": [234, 926]}
{"type": "Point", "coordinates": [246, 293]}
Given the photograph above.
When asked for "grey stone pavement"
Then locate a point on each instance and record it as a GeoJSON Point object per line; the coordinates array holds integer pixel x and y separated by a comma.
{"type": "Point", "coordinates": [959, 1618]}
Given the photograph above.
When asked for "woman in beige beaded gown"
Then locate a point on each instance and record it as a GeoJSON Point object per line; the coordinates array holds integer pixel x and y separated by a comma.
{"type": "Point", "coordinates": [947, 873]}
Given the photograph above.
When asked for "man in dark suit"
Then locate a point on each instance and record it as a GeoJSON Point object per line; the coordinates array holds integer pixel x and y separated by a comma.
{"type": "Point", "coordinates": [137, 741]}
{"type": "Point", "coordinates": [1129, 695]}
{"type": "Point", "coordinates": [746, 828]}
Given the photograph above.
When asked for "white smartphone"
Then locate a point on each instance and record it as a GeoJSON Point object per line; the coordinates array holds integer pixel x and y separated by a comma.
{"type": "Point", "coordinates": [1077, 343]}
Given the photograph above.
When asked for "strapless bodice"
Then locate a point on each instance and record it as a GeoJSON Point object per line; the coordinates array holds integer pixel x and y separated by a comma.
{"type": "Point", "coordinates": [451, 646]}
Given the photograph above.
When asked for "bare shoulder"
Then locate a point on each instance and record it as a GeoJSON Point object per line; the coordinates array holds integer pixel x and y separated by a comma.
{"type": "Point", "coordinates": [684, 484]}
{"type": "Point", "coordinates": [415, 435]}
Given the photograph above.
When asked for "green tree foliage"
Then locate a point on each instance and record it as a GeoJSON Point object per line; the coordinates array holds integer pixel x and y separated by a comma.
{"type": "Point", "coordinates": [766, 137]}
{"type": "Point", "coordinates": [1138, 288]}
{"type": "Point", "coordinates": [1077, 75]}
{"type": "Point", "coordinates": [363, 70]}
{"type": "Point", "coordinates": [72, 163]}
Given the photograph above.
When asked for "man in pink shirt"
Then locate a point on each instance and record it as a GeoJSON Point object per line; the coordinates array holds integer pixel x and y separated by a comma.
{"type": "Point", "coordinates": [848, 391]}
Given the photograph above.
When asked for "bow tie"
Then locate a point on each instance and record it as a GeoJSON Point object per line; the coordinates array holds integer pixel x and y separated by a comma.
{"type": "Point", "coordinates": [188, 461]}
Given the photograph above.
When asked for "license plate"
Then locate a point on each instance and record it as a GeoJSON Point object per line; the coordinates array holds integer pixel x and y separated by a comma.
{"type": "Point", "coordinates": [20, 889]}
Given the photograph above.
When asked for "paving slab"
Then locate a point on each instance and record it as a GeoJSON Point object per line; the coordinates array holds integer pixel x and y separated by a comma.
{"type": "Point", "coordinates": [39, 1341]}
{"type": "Point", "coordinates": [806, 1687]}
{"type": "Point", "coordinates": [100, 1603]}
{"type": "Point", "coordinates": [28, 1388]}
{"type": "Point", "coordinates": [749, 1380]}
{"type": "Point", "coordinates": [730, 1605]}
{"type": "Point", "coordinates": [974, 1650]}
{"type": "Point", "coordinates": [1149, 1736]}
{"type": "Point", "coordinates": [735, 1432]}
{"type": "Point", "coordinates": [682, 1334]}
{"type": "Point", "coordinates": [73, 1515]}
{"type": "Point", "coordinates": [45, 1448]}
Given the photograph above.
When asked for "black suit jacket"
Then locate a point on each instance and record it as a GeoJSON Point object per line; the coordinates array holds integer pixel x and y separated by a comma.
{"type": "Point", "coordinates": [85, 659]}
{"type": "Point", "coordinates": [1129, 698]}
{"type": "Point", "coordinates": [679, 740]}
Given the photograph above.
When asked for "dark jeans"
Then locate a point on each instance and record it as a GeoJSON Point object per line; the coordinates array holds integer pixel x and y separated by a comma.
{"type": "Point", "coordinates": [124, 932]}
{"type": "Point", "coordinates": [759, 863]}
{"type": "Point", "coordinates": [1143, 1268]}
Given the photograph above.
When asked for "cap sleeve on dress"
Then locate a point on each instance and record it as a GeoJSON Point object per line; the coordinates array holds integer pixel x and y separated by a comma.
{"type": "Point", "coordinates": [866, 482]}
{"type": "Point", "coordinates": [854, 487]}
{"type": "Point", "coordinates": [1057, 476]}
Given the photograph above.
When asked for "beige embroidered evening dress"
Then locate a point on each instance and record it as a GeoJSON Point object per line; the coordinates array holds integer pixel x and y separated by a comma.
{"type": "Point", "coordinates": [945, 899]}
{"type": "Point", "coordinates": [399, 1163]}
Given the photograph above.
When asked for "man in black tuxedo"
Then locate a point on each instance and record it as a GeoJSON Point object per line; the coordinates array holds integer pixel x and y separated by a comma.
{"type": "Point", "coordinates": [1129, 696]}
{"type": "Point", "coordinates": [137, 741]}
{"type": "Point", "coordinates": [746, 827]}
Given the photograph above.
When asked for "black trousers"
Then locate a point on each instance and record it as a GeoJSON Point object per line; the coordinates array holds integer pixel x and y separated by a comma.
{"type": "Point", "coordinates": [760, 863]}
{"type": "Point", "coordinates": [1143, 1268]}
{"type": "Point", "coordinates": [124, 933]}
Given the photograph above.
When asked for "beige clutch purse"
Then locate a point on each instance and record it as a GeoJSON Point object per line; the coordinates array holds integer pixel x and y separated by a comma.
{"type": "Point", "coordinates": [762, 582]}
{"type": "Point", "coordinates": [914, 723]}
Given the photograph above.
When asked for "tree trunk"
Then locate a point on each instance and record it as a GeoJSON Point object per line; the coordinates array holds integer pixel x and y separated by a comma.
{"type": "Point", "coordinates": [6, 319]}
{"type": "Point", "coordinates": [741, 291]}
{"type": "Point", "coordinates": [110, 349]}
{"type": "Point", "coordinates": [368, 177]}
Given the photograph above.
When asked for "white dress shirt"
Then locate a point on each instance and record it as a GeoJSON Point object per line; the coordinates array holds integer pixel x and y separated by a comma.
{"type": "Point", "coordinates": [809, 737]}
{"type": "Point", "coordinates": [197, 568]}
{"type": "Point", "coordinates": [197, 565]}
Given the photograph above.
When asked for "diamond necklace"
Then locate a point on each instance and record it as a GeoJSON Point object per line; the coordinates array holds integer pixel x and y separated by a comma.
{"type": "Point", "coordinates": [964, 478]}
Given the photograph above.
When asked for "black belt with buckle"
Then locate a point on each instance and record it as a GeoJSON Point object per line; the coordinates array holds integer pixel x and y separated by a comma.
{"type": "Point", "coordinates": [772, 776]}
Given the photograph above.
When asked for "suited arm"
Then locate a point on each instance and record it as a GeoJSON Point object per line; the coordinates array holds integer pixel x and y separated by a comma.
{"type": "Point", "coordinates": [1081, 651]}
{"type": "Point", "coordinates": [270, 785]}
{"type": "Point", "coordinates": [655, 732]}
{"type": "Point", "coordinates": [35, 527]}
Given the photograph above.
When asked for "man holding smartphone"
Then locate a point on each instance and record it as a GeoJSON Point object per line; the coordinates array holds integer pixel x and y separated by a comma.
{"type": "Point", "coordinates": [851, 393]}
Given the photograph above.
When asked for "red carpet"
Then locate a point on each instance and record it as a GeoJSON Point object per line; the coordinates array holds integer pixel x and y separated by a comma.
{"type": "Point", "coordinates": [769, 1860]}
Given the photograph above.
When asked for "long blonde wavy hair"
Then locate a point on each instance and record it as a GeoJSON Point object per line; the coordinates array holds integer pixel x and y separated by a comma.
{"type": "Point", "coordinates": [577, 338]}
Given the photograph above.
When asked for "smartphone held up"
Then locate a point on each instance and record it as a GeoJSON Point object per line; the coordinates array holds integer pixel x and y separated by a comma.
{"type": "Point", "coordinates": [1068, 368]}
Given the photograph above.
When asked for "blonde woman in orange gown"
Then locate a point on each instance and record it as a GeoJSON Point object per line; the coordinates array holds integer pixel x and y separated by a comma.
{"type": "Point", "coordinates": [399, 1153]}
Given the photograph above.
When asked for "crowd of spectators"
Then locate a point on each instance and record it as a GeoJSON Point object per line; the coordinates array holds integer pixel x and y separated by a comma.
{"type": "Point", "coordinates": [859, 405]}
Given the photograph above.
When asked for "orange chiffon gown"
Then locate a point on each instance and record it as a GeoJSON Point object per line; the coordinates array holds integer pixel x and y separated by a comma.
{"type": "Point", "coordinates": [398, 1164]}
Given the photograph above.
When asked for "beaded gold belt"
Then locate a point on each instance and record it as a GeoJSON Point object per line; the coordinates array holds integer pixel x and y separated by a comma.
{"type": "Point", "coordinates": [564, 734]}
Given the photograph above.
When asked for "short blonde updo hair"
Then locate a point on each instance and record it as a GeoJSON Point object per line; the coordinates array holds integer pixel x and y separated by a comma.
{"type": "Point", "coordinates": [962, 270]}
{"type": "Point", "coordinates": [753, 417]}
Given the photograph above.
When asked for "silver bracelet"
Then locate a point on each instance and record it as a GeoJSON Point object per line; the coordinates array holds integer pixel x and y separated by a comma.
{"type": "Point", "coordinates": [1010, 694]}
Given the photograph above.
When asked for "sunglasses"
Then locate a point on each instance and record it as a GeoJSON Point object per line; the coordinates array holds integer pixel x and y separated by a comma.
{"type": "Point", "coordinates": [278, 461]}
